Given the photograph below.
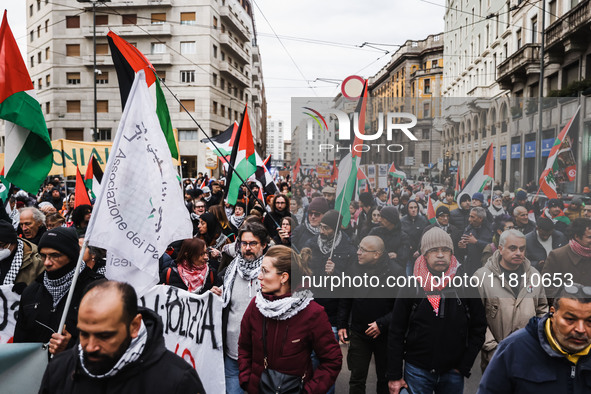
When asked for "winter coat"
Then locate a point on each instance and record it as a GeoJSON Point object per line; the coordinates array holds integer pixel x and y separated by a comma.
{"type": "Point", "coordinates": [396, 241]}
{"type": "Point", "coordinates": [459, 218]}
{"type": "Point", "coordinates": [526, 363]}
{"type": "Point", "coordinates": [528, 228]}
{"type": "Point", "coordinates": [441, 343]}
{"type": "Point", "coordinates": [157, 371]}
{"type": "Point", "coordinates": [174, 279]}
{"type": "Point", "coordinates": [505, 312]}
{"type": "Point", "coordinates": [535, 252]}
{"type": "Point", "coordinates": [32, 265]}
{"type": "Point", "coordinates": [290, 344]}
{"type": "Point", "coordinates": [37, 306]}
{"type": "Point", "coordinates": [300, 235]}
{"type": "Point", "coordinates": [272, 225]}
{"type": "Point", "coordinates": [454, 232]}
{"type": "Point", "coordinates": [483, 235]}
{"type": "Point", "coordinates": [563, 260]}
{"type": "Point", "coordinates": [413, 227]}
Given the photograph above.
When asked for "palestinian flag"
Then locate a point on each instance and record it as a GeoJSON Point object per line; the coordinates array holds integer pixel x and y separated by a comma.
{"type": "Point", "coordinates": [561, 217]}
{"type": "Point", "coordinates": [242, 160]}
{"type": "Point", "coordinates": [223, 142]}
{"type": "Point", "coordinates": [335, 171]}
{"type": "Point", "coordinates": [430, 212]}
{"type": "Point", "coordinates": [483, 172]}
{"type": "Point", "coordinates": [296, 169]}
{"type": "Point", "coordinates": [28, 153]}
{"type": "Point", "coordinates": [396, 174]}
{"type": "Point", "coordinates": [128, 60]}
{"type": "Point", "coordinates": [362, 181]}
{"type": "Point", "coordinates": [81, 196]}
{"type": "Point", "coordinates": [93, 176]}
{"type": "Point", "coordinates": [547, 180]}
{"type": "Point", "coordinates": [348, 166]}
{"type": "Point", "coordinates": [263, 176]}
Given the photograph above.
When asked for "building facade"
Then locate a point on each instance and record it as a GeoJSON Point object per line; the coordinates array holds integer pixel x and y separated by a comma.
{"type": "Point", "coordinates": [204, 51]}
{"type": "Point", "coordinates": [275, 141]}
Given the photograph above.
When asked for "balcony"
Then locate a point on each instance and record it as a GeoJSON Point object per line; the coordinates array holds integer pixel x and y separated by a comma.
{"type": "Point", "coordinates": [236, 75]}
{"type": "Point", "coordinates": [101, 60]}
{"type": "Point", "coordinates": [160, 59]}
{"type": "Point", "coordinates": [570, 32]}
{"type": "Point", "coordinates": [227, 15]}
{"type": "Point", "coordinates": [233, 47]}
{"type": "Point", "coordinates": [164, 29]}
{"type": "Point", "coordinates": [520, 64]}
{"type": "Point", "coordinates": [134, 4]}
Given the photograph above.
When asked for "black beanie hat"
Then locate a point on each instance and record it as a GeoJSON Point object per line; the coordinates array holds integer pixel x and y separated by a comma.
{"type": "Point", "coordinates": [62, 239]}
{"type": "Point", "coordinates": [465, 197]}
{"type": "Point", "coordinates": [7, 232]}
{"type": "Point", "coordinates": [442, 210]}
{"type": "Point", "coordinates": [331, 218]}
{"type": "Point", "coordinates": [390, 214]}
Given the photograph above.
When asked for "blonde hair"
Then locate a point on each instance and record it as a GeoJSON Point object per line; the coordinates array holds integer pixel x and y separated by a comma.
{"type": "Point", "coordinates": [285, 259]}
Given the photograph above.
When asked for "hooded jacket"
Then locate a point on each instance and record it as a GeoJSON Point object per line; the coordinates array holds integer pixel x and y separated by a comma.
{"type": "Point", "coordinates": [32, 265]}
{"type": "Point", "coordinates": [396, 241]}
{"type": "Point", "coordinates": [157, 370]}
{"type": "Point", "coordinates": [535, 252]}
{"type": "Point", "coordinates": [506, 312]}
{"type": "Point", "coordinates": [526, 363]}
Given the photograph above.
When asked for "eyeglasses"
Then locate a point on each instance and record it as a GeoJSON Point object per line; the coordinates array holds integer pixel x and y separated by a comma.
{"type": "Point", "coordinates": [50, 256]}
{"type": "Point", "coordinates": [314, 213]}
{"type": "Point", "coordinates": [577, 290]}
{"type": "Point", "coordinates": [440, 250]}
{"type": "Point", "coordinates": [252, 244]}
{"type": "Point", "coordinates": [325, 227]}
{"type": "Point", "coordinates": [200, 207]}
{"type": "Point", "coordinates": [363, 250]}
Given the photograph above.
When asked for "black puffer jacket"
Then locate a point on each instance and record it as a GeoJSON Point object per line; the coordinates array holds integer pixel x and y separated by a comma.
{"type": "Point", "coordinates": [37, 306]}
{"type": "Point", "coordinates": [396, 241]}
{"type": "Point", "coordinates": [157, 371]}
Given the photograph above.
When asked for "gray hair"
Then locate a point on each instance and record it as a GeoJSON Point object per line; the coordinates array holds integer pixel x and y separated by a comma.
{"type": "Point", "coordinates": [481, 212]}
{"type": "Point", "coordinates": [38, 216]}
{"type": "Point", "coordinates": [510, 233]}
{"type": "Point", "coordinates": [517, 209]}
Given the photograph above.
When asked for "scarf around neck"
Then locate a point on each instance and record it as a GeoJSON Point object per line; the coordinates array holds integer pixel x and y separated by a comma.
{"type": "Point", "coordinates": [17, 262]}
{"type": "Point", "coordinates": [133, 352]}
{"type": "Point", "coordinates": [326, 246]}
{"type": "Point", "coordinates": [421, 270]}
{"type": "Point", "coordinates": [57, 288]}
{"type": "Point", "coordinates": [313, 230]}
{"type": "Point", "coordinates": [237, 220]}
{"type": "Point", "coordinates": [283, 308]}
{"type": "Point", "coordinates": [248, 270]}
{"type": "Point", "coordinates": [579, 249]}
{"type": "Point", "coordinates": [193, 277]}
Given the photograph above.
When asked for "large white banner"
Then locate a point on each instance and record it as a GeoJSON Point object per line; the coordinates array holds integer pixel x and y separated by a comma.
{"type": "Point", "coordinates": [192, 330]}
{"type": "Point", "coordinates": [9, 303]}
{"type": "Point", "coordinates": [140, 209]}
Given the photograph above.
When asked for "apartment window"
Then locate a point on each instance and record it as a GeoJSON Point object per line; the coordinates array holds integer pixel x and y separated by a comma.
{"type": "Point", "coordinates": [73, 21]}
{"type": "Point", "coordinates": [425, 157]}
{"type": "Point", "coordinates": [102, 20]}
{"type": "Point", "coordinates": [102, 49]}
{"type": "Point", "coordinates": [215, 79]}
{"type": "Point", "coordinates": [188, 47]}
{"type": "Point", "coordinates": [46, 25]}
{"type": "Point", "coordinates": [552, 13]}
{"type": "Point", "coordinates": [32, 35]}
{"type": "Point", "coordinates": [129, 19]}
{"type": "Point", "coordinates": [426, 110]}
{"type": "Point", "coordinates": [31, 10]}
{"type": "Point", "coordinates": [518, 41]}
{"type": "Point", "coordinates": [72, 49]}
{"type": "Point", "coordinates": [187, 18]}
{"type": "Point", "coordinates": [215, 22]}
{"type": "Point", "coordinates": [32, 61]}
{"type": "Point", "coordinates": [39, 57]}
{"type": "Point", "coordinates": [102, 78]}
{"type": "Point", "coordinates": [425, 133]}
{"type": "Point", "coordinates": [47, 108]}
{"type": "Point", "coordinates": [235, 115]}
{"type": "Point", "coordinates": [104, 135]}
{"type": "Point", "coordinates": [223, 28]}
{"type": "Point", "coordinates": [188, 104]}
{"type": "Point", "coordinates": [215, 51]}
{"type": "Point", "coordinates": [505, 51]}
{"type": "Point", "coordinates": [427, 86]}
{"type": "Point", "coordinates": [534, 29]}
{"type": "Point", "coordinates": [223, 56]}
{"type": "Point", "coordinates": [158, 47]}
{"type": "Point", "coordinates": [40, 83]}
{"type": "Point", "coordinates": [222, 83]}
{"type": "Point", "coordinates": [188, 76]}
{"type": "Point", "coordinates": [102, 106]}
{"type": "Point", "coordinates": [158, 18]}
{"type": "Point", "coordinates": [48, 80]}
{"type": "Point", "coordinates": [188, 135]}
{"type": "Point", "coordinates": [75, 134]}
{"type": "Point", "coordinates": [162, 75]}
{"type": "Point", "coordinates": [47, 53]}
{"type": "Point", "coordinates": [38, 5]}
{"type": "Point", "coordinates": [38, 31]}
{"type": "Point", "coordinates": [73, 78]}
{"type": "Point", "coordinates": [214, 108]}
{"type": "Point", "coordinates": [434, 64]}
{"type": "Point", "coordinates": [223, 111]}
{"type": "Point", "coordinates": [436, 38]}
{"type": "Point", "coordinates": [73, 106]}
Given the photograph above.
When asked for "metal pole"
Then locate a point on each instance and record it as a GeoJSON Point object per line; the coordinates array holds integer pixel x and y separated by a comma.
{"type": "Point", "coordinates": [538, 160]}
{"type": "Point", "coordinates": [95, 133]}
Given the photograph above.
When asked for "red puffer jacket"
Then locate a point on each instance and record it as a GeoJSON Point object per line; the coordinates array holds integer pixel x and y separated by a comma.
{"type": "Point", "coordinates": [289, 346]}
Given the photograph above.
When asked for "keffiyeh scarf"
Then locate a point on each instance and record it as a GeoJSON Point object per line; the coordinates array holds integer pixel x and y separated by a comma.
{"type": "Point", "coordinates": [237, 220]}
{"type": "Point", "coordinates": [579, 249]}
{"type": "Point", "coordinates": [16, 265]}
{"type": "Point", "coordinates": [421, 270]}
{"type": "Point", "coordinates": [326, 246]}
{"type": "Point", "coordinates": [283, 308]}
{"type": "Point", "coordinates": [248, 270]}
{"type": "Point", "coordinates": [60, 286]}
{"type": "Point", "coordinates": [193, 277]}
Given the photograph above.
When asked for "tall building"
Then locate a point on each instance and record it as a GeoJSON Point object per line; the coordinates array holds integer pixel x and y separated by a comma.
{"type": "Point", "coordinates": [275, 145]}
{"type": "Point", "coordinates": [411, 82]}
{"type": "Point", "coordinates": [205, 52]}
{"type": "Point", "coordinates": [491, 84]}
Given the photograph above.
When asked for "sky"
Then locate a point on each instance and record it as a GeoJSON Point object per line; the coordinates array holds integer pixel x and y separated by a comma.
{"type": "Point", "coordinates": [305, 40]}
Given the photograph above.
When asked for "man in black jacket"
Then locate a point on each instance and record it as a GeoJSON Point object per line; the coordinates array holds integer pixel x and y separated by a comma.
{"type": "Point", "coordinates": [44, 300]}
{"type": "Point", "coordinates": [459, 216]}
{"type": "Point", "coordinates": [438, 337]}
{"type": "Point", "coordinates": [120, 350]}
{"type": "Point", "coordinates": [370, 316]}
{"type": "Point", "coordinates": [395, 240]}
{"type": "Point", "coordinates": [442, 221]}
{"type": "Point", "coordinates": [476, 236]}
{"type": "Point", "coordinates": [542, 241]}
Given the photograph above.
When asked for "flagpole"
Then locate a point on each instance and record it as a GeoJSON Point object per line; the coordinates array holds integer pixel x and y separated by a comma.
{"type": "Point", "coordinates": [340, 210]}
{"type": "Point", "coordinates": [72, 286]}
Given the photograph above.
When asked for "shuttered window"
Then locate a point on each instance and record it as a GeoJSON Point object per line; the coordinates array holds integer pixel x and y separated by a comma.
{"type": "Point", "coordinates": [73, 106]}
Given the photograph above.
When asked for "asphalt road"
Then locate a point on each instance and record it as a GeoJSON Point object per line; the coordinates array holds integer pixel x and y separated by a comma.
{"type": "Point", "coordinates": [342, 385]}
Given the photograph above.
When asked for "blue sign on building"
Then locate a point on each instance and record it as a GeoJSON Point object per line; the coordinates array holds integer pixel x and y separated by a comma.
{"type": "Point", "coordinates": [530, 149]}
{"type": "Point", "coordinates": [547, 146]}
{"type": "Point", "coordinates": [515, 151]}
{"type": "Point", "coordinates": [504, 152]}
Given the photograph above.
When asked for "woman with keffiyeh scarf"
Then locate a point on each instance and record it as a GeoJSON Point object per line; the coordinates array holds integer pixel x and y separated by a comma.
{"type": "Point", "coordinates": [295, 326]}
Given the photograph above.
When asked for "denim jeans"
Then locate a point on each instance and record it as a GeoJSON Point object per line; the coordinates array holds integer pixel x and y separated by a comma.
{"type": "Point", "coordinates": [316, 362]}
{"type": "Point", "coordinates": [422, 381]}
{"type": "Point", "coordinates": [232, 376]}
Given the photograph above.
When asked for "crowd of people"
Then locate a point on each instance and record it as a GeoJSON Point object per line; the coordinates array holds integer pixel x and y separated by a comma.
{"type": "Point", "coordinates": [528, 318]}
